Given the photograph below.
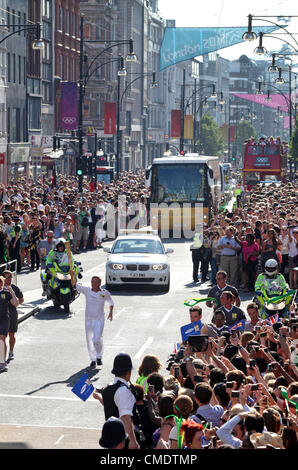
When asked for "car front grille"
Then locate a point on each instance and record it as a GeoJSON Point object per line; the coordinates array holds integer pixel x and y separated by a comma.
{"type": "Point", "coordinates": [131, 267]}
{"type": "Point", "coordinates": [135, 267]}
{"type": "Point", "coordinates": [137, 279]}
{"type": "Point", "coordinates": [144, 267]}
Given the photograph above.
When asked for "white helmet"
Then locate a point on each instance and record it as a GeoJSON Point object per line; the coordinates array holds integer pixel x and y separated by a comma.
{"type": "Point", "coordinates": [271, 267]}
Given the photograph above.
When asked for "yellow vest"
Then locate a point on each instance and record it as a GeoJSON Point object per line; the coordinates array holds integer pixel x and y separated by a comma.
{"type": "Point", "coordinates": [197, 241]}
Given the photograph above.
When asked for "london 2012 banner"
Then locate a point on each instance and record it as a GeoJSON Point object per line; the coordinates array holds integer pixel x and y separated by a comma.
{"type": "Point", "coordinates": [181, 44]}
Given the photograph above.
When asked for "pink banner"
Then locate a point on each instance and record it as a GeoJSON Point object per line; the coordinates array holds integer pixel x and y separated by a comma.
{"type": "Point", "coordinates": [286, 123]}
{"type": "Point", "coordinates": [276, 101]}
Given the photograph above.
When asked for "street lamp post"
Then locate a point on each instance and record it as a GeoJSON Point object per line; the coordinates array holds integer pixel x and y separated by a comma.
{"type": "Point", "coordinates": [37, 43]}
{"type": "Point", "coordinates": [131, 57]}
{"type": "Point", "coordinates": [119, 109]}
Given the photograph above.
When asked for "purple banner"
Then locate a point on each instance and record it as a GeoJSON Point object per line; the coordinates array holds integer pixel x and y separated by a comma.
{"type": "Point", "coordinates": [69, 106]}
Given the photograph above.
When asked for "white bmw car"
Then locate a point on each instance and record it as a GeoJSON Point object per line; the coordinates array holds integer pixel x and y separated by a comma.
{"type": "Point", "coordinates": [138, 258]}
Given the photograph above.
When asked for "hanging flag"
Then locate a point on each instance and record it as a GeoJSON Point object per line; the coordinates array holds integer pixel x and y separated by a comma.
{"type": "Point", "coordinates": [175, 123]}
{"type": "Point", "coordinates": [240, 325]}
{"type": "Point", "coordinates": [110, 118]}
{"type": "Point", "coordinates": [83, 388]}
{"type": "Point", "coordinates": [188, 126]}
{"type": "Point", "coordinates": [180, 44]}
{"type": "Point", "coordinates": [69, 106]}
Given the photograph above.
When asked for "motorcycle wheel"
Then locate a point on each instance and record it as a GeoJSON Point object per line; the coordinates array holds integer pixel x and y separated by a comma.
{"type": "Point", "coordinates": [66, 308]}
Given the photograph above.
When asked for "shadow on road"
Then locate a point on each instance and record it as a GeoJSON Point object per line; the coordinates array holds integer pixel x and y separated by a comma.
{"type": "Point", "coordinates": [52, 313]}
{"type": "Point", "coordinates": [70, 381]}
{"type": "Point", "coordinates": [137, 290]}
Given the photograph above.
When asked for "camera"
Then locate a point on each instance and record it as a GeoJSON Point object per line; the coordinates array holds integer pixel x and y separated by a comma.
{"type": "Point", "coordinates": [151, 388]}
{"type": "Point", "coordinates": [252, 363]}
{"type": "Point", "coordinates": [235, 393]}
{"type": "Point", "coordinates": [254, 387]}
{"type": "Point", "coordinates": [229, 384]}
{"type": "Point", "coordinates": [176, 371]}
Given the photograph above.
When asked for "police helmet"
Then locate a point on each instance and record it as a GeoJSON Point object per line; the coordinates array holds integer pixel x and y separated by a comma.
{"type": "Point", "coordinates": [60, 242]}
{"type": "Point", "coordinates": [271, 267]}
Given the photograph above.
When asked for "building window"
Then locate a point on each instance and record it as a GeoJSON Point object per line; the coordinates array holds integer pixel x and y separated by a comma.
{"type": "Point", "coordinates": [20, 70]}
{"type": "Point", "coordinates": [14, 68]}
{"type": "Point", "coordinates": [67, 21]}
{"type": "Point", "coordinates": [61, 19]}
{"type": "Point", "coordinates": [34, 112]}
{"type": "Point", "coordinates": [8, 76]}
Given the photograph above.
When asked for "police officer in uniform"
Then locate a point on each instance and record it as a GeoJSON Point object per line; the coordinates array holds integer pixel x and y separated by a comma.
{"type": "Point", "coordinates": [201, 252]}
{"type": "Point", "coordinates": [119, 399]}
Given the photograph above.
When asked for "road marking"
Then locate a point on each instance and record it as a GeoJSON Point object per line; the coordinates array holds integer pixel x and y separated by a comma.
{"type": "Point", "coordinates": [145, 346]}
{"type": "Point", "coordinates": [118, 313]}
{"type": "Point", "coordinates": [45, 426]}
{"type": "Point", "coordinates": [165, 318]}
{"type": "Point", "coordinates": [43, 398]}
{"type": "Point", "coordinates": [59, 440]}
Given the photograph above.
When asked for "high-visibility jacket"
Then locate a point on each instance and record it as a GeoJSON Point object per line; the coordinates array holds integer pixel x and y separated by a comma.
{"type": "Point", "coordinates": [197, 241]}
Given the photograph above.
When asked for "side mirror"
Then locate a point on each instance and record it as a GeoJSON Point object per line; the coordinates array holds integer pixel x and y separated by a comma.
{"type": "Point", "coordinates": [107, 249]}
{"type": "Point", "coordinates": [169, 250]}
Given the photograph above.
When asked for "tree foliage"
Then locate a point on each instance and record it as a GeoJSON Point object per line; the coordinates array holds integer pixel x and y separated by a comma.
{"type": "Point", "coordinates": [243, 132]}
{"type": "Point", "coordinates": [293, 147]}
{"type": "Point", "coordinates": [210, 137]}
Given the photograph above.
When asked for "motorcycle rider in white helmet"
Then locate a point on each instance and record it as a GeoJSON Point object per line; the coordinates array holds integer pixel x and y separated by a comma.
{"type": "Point", "coordinates": [270, 284]}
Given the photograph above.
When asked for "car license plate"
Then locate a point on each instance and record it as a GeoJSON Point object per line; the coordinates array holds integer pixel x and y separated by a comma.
{"type": "Point", "coordinates": [137, 275]}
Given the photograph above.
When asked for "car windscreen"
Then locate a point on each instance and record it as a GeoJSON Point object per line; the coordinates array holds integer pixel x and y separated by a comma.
{"type": "Point", "coordinates": [138, 246]}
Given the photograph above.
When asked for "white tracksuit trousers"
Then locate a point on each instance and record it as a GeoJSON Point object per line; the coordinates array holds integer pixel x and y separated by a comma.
{"type": "Point", "coordinates": [94, 331]}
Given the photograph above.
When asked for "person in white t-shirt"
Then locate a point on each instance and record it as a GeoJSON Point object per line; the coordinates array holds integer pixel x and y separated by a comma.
{"type": "Point", "coordinates": [94, 317]}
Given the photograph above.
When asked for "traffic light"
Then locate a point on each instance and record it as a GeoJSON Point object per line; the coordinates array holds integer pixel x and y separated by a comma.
{"type": "Point", "coordinates": [79, 166]}
{"type": "Point", "coordinates": [93, 166]}
{"type": "Point", "coordinates": [101, 160]}
{"type": "Point", "coordinates": [182, 152]}
{"type": "Point", "coordinates": [89, 165]}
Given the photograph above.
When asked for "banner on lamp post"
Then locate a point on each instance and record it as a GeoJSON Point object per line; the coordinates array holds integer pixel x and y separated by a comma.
{"type": "Point", "coordinates": [232, 133]}
{"type": "Point", "coordinates": [69, 106]}
{"type": "Point", "coordinates": [188, 126]}
{"type": "Point", "coordinates": [110, 118]}
{"type": "Point", "coordinates": [175, 123]}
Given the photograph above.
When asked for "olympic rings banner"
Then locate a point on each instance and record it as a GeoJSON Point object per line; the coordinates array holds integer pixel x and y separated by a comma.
{"type": "Point", "coordinates": [69, 106]}
{"type": "Point", "coordinates": [181, 44]}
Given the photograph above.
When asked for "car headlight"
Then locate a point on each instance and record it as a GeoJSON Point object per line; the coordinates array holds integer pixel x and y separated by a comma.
{"type": "Point", "coordinates": [116, 266]}
{"type": "Point", "coordinates": [159, 267]}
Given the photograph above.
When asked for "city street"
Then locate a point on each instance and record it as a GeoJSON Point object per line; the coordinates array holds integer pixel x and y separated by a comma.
{"type": "Point", "coordinates": [37, 407]}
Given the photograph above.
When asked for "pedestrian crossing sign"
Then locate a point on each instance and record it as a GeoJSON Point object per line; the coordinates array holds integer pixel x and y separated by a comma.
{"type": "Point", "coordinates": [83, 388]}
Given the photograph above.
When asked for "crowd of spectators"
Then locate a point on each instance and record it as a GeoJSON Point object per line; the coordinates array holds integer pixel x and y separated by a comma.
{"type": "Point", "coordinates": [29, 210]}
{"type": "Point", "coordinates": [238, 391]}
{"type": "Point", "coordinates": [263, 227]}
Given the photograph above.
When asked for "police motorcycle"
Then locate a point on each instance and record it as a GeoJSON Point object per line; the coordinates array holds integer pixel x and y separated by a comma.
{"type": "Point", "coordinates": [60, 275]}
{"type": "Point", "coordinates": [272, 292]}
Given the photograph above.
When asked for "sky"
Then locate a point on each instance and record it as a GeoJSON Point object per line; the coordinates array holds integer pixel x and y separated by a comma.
{"type": "Point", "coordinates": [204, 13]}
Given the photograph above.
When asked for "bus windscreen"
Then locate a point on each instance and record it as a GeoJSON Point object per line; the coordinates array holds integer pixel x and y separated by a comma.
{"type": "Point", "coordinates": [178, 183]}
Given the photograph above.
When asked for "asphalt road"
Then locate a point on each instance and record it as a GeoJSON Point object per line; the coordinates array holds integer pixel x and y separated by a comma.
{"type": "Point", "coordinates": [37, 407]}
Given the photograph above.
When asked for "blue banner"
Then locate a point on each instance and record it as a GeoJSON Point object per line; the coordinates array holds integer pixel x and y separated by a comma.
{"type": "Point", "coordinates": [83, 388]}
{"type": "Point", "coordinates": [192, 329]}
{"type": "Point", "coordinates": [181, 44]}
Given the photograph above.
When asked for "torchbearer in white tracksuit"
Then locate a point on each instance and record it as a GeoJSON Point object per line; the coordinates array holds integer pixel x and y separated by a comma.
{"type": "Point", "coordinates": [95, 317]}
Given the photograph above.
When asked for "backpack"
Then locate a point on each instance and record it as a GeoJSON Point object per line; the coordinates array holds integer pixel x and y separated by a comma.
{"type": "Point", "coordinates": [85, 221]}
